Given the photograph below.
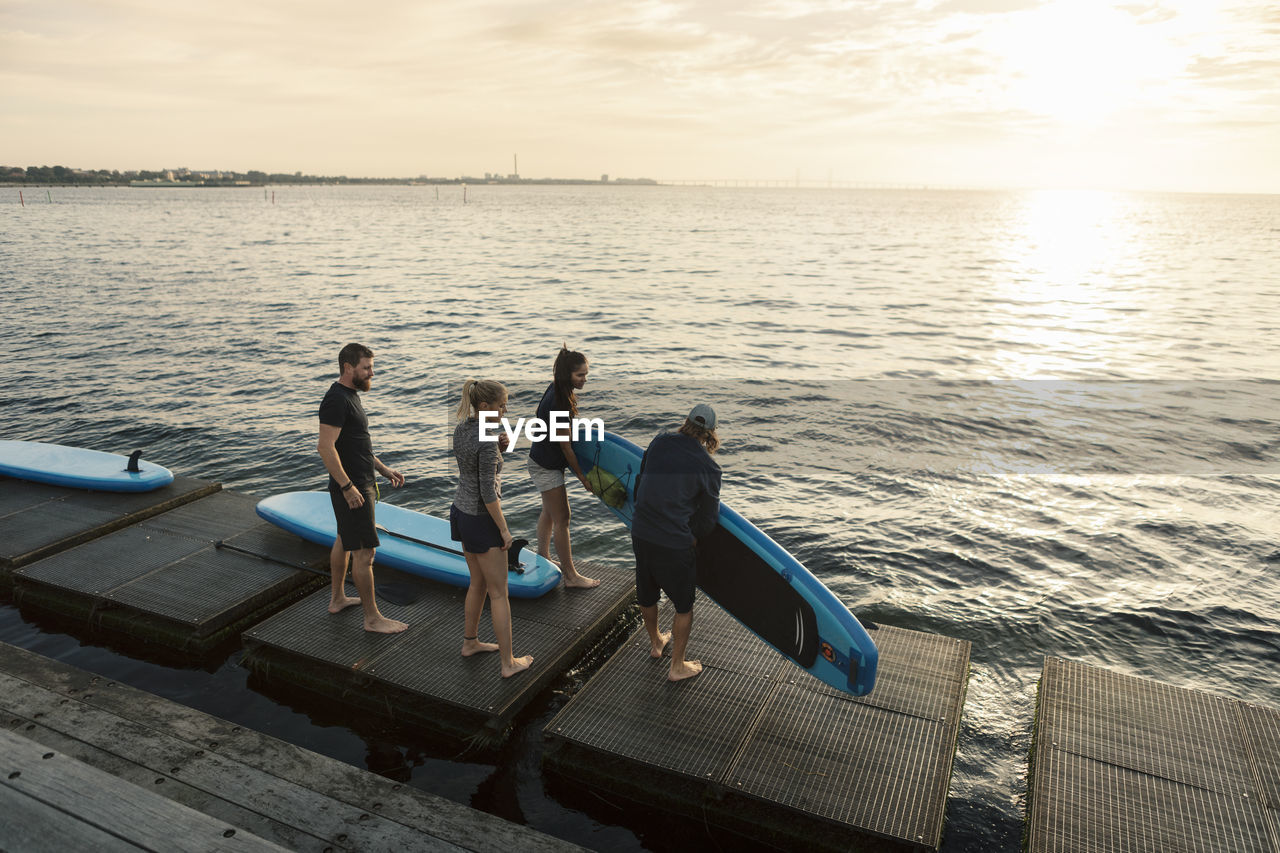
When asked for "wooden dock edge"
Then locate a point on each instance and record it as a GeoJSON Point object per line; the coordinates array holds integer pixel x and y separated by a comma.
{"type": "Point", "coordinates": [121, 625]}
{"type": "Point", "coordinates": [429, 817]}
{"type": "Point", "coordinates": [128, 520]}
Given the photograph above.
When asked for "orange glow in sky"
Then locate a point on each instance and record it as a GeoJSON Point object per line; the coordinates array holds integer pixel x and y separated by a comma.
{"type": "Point", "coordinates": [1162, 94]}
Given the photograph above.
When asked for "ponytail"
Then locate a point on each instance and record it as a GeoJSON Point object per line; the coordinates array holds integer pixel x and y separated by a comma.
{"type": "Point", "coordinates": [464, 408]}
{"type": "Point", "coordinates": [476, 392]}
{"type": "Point", "coordinates": [567, 361]}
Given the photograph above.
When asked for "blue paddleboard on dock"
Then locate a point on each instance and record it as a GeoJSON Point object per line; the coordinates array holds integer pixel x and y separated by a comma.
{"type": "Point", "coordinates": [412, 542]}
{"type": "Point", "coordinates": [78, 468]}
{"type": "Point", "coordinates": [756, 581]}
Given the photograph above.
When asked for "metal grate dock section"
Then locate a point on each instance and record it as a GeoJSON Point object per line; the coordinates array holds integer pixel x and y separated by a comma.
{"type": "Point", "coordinates": [1121, 763]}
{"type": "Point", "coordinates": [756, 742]}
{"type": "Point", "coordinates": [38, 520]}
{"type": "Point", "coordinates": [419, 675]}
{"type": "Point", "coordinates": [163, 580]}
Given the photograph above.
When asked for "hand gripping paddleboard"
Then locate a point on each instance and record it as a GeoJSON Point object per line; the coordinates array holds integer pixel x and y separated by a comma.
{"type": "Point", "coordinates": [757, 582]}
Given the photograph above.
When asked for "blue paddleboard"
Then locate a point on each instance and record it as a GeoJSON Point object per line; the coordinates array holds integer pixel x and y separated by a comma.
{"type": "Point", "coordinates": [410, 541]}
{"type": "Point", "coordinates": [77, 468]}
{"type": "Point", "coordinates": [758, 583]}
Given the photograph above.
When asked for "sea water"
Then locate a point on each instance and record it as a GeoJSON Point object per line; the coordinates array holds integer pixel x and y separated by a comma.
{"type": "Point", "coordinates": [1045, 423]}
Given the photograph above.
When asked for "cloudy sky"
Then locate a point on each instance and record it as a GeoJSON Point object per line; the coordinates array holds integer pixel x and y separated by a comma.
{"type": "Point", "coordinates": [1170, 94]}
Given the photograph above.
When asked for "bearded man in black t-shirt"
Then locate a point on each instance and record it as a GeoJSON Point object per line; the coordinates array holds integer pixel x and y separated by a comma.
{"type": "Point", "coordinates": [347, 451]}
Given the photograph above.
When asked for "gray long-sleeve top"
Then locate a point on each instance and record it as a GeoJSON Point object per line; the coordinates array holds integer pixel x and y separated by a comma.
{"type": "Point", "coordinates": [479, 469]}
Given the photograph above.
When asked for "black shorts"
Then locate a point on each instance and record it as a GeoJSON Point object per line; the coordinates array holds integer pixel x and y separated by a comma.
{"type": "Point", "coordinates": [356, 530]}
{"type": "Point", "coordinates": [672, 570]}
{"type": "Point", "coordinates": [477, 533]}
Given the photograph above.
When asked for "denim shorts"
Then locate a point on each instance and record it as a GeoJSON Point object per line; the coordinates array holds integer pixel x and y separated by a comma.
{"type": "Point", "coordinates": [545, 479]}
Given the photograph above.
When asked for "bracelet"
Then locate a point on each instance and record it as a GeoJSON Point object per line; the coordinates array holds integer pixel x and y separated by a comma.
{"type": "Point", "coordinates": [349, 485]}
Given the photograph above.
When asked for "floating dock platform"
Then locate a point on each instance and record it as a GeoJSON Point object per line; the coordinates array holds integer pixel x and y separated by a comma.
{"type": "Point", "coordinates": [1121, 763]}
{"type": "Point", "coordinates": [165, 579]}
{"type": "Point", "coordinates": [418, 675]}
{"type": "Point", "coordinates": [89, 764]}
{"type": "Point", "coordinates": [759, 747]}
{"type": "Point", "coordinates": [37, 520]}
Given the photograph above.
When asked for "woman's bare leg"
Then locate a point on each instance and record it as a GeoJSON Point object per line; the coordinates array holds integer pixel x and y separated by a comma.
{"type": "Point", "coordinates": [493, 564]}
{"type": "Point", "coordinates": [477, 591]}
{"type": "Point", "coordinates": [555, 502]}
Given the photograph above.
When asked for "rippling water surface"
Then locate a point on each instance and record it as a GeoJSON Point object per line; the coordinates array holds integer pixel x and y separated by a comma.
{"type": "Point", "coordinates": [1044, 423]}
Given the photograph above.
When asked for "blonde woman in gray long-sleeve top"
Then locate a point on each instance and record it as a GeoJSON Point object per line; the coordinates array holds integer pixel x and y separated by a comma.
{"type": "Point", "coordinates": [476, 520]}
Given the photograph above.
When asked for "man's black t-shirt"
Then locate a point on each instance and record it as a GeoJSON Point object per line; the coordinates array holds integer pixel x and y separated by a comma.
{"type": "Point", "coordinates": [341, 408]}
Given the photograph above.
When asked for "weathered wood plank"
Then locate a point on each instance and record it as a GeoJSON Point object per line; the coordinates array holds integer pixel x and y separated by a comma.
{"type": "Point", "coordinates": [432, 822]}
{"type": "Point", "coordinates": [129, 812]}
{"type": "Point", "coordinates": [30, 826]}
{"type": "Point", "coordinates": [274, 796]}
{"type": "Point", "coordinates": [173, 787]}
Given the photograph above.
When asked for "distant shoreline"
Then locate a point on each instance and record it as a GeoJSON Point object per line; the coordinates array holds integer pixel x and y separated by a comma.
{"type": "Point", "coordinates": [62, 176]}
{"type": "Point", "coordinates": [353, 183]}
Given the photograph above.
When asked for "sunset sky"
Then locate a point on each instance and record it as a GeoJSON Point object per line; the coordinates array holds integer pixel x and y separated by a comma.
{"type": "Point", "coordinates": [1173, 94]}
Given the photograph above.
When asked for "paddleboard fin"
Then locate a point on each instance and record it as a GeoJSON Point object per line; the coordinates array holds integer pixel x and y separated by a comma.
{"type": "Point", "coordinates": [133, 461]}
{"type": "Point", "coordinates": [513, 556]}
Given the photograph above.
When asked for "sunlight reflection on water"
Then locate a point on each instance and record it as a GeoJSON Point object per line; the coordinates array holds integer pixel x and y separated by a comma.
{"type": "Point", "coordinates": [838, 333]}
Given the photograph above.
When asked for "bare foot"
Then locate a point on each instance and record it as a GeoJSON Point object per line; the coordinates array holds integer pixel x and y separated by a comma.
{"type": "Point", "coordinates": [475, 647]}
{"type": "Point", "coordinates": [581, 582]}
{"type": "Point", "coordinates": [655, 649]}
{"type": "Point", "coordinates": [337, 605]}
{"type": "Point", "coordinates": [689, 670]}
{"type": "Point", "coordinates": [552, 560]}
{"type": "Point", "coordinates": [383, 625]}
{"type": "Point", "coordinates": [517, 665]}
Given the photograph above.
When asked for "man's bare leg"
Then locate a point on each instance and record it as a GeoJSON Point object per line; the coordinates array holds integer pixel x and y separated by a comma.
{"type": "Point", "coordinates": [362, 574]}
{"type": "Point", "coordinates": [657, 640]}
{"type": "Point", "coordinates": [681, 668]}
{"type": "Point", "coordinates": [338, 598]}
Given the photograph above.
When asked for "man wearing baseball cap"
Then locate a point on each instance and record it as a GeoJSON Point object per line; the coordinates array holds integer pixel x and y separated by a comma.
{"type": "Point", "coordinates": [677, 502]}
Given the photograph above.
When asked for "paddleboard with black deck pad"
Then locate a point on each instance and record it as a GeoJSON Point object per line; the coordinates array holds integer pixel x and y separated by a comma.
{"type": "Point", "coordinates": [755, 580]}
{"type": "Point", "coordinates": [411, 541]}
